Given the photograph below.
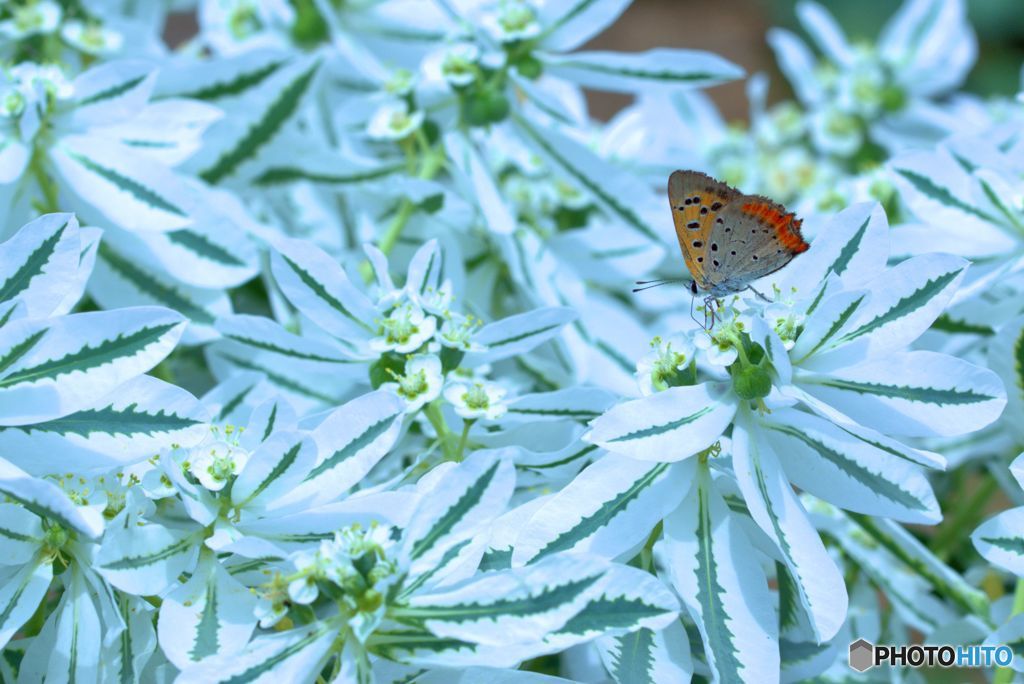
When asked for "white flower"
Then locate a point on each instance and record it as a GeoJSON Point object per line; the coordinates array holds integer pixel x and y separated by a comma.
{"type": "Point", "coordinates": [666, 365]}
{"type": "Point", "coordinates": [393, 121]}
{"type": "Point", "coordinates": [400, 83]}
{"type": "Point", "coordinates": [93, 39]}
{"type": "Point", "coordinates": [436, 300]}
{"type": "Point", "coordinates": [514, 20]}
{"type": "Point", "coordinates": [404, 330]}
{"type": "Point", "coordinates": [459, 64]}
{"type": "Point", "coordinates": [457, 333]}
{"type": "Point", "coordinates": [215, 464]}
{"type": "Point", "coordinates": [836, 132]}
{"type": "Point", "coordinates": [31, 18]}
{"type": "Point", "coordinates": [477, 399]}
{"type": "Point", "coordinates": [420, 383]}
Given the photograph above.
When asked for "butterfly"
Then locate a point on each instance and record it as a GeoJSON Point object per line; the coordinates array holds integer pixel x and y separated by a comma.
{"type": "Point", "coordinates": [729, 239]}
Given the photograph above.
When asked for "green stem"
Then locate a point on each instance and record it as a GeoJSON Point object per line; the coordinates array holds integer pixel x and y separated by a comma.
{"type": "Point", "coordinates": [959, 592]}
{"type": "Point", "coordinates": [460, 453]}
{"type": "Point", "coordinates": [433, 413]}
{"type": "Point", "coordinates": [51, 203]}
{"type": "Point", "coordinates": [967, 517]}
{"type": "Point", "coordinates": [432, 161]}
{"type": "Point", "coordinates": [1004, 675]}
{"type": "Point", "coordinates": [647, 553]}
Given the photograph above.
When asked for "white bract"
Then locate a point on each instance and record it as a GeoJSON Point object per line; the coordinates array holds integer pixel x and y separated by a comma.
{"type": "Point", "coordinates": [438, 440]}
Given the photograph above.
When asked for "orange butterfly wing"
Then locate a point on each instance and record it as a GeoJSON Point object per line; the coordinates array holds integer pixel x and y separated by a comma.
{"type": "Point", "coordinates": [696, 200]}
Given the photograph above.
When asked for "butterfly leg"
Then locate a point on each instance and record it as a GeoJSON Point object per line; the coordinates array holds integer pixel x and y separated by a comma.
{"type": "Point", "coordinates": [694, 318]}
{"type": "Point", "coordinates": [710, 309]}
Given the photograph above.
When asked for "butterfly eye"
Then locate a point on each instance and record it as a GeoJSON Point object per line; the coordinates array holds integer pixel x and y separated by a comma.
{"type": "Point", "coordinates": [693, 286]}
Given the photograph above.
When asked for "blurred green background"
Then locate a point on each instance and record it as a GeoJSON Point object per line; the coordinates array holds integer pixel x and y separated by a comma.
{"type": "Point", "coordinates": [736, 29]}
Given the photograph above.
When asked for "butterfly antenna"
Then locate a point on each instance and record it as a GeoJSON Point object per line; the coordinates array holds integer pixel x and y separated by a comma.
{"type": "Point", "coordinates": [648, 284]}
{"type": "Point", "coordinates": [758, 294]}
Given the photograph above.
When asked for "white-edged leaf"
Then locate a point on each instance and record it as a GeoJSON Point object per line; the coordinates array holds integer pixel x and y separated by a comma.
{"type": "Point", "coordinates": [913, 393]}
{"type": "Point", "coordinates": [20, 595]}
{"type": "Point", "coordinates": [458, 503]}
{"type": "Point", "coordinates": [478, 184]}
{"type": "Point", "coordinates": [265, 334]}
{"type": "Point", "coordinates": [35, 264]}
{"type": "Point", "coordinates": [76, 653]}
{"type": "Point", "coordinates": [567, 25]}
{"type": "Point", "coordinates": [825, 31]}
{"type": "Point", "coordinates": [607, 185]}
{"type": "Point", "coordinates": [113, 91]}
{"type": "Point", "coordinates": [607, 510]}
{"type": "Point", "coordinates": [318, 287]}
{"type": "Point", "coordinates": [1006, 358]}
{"type": "Point", "coordinates": [720, 580]}
{"type": "Point", "coordinates": [240, 139]}
{"type": "Point", "coordinates": [21, 534]}
{"type": "Point", "coordinates": [121, 280]}
{"type": "Point", "coordinates": [573, 403]}
{"type": "Point", "coordinates": [126, 187]}
{"type": "Point", "coordinates": [853, 245]}
{"type": "Point", "coordinates": [139, 419]}
{"type": "Point", "coordinates": [647, 656]}
{"type": "Point", "coordinates": [293, 656]}
{"type": "Point", "coordinates": [776, 509]}
{"type": "Point", "coordinates": [278, 465]}
{"type": "Point", "coordinates": [520, 333]}
{"type": "Point", "coordinates": [1000, 540]}
{"type": "Point", "coordinates": [273, 415]}
{"type": "Point", "coordinates": [666, 426]}
{"type": "Point", "coordinates": [51, 368]}
{"type": "Point", "coordinates": [508, 607]}
{"type": "Point", "coordinates": [146, 559]}
{"type": "Point", "coordinates": [628, 599]}
{"type": "Point", "coordinates": [851, 473]}
{"type": "Point", "coordinates": [211, 614]}
{"type": "Point", "coordinates": [904, 302]}
{"type": "Point", "coordinates": [48, 501]}
{"type": "Point", "coordinates": [349, 442]}
{"type": "Point", "coordinates": [662, 68]}
{"type": "Point", "coordinates": [797, 62]}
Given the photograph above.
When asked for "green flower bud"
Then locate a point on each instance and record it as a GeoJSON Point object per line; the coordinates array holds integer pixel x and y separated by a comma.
{"type": "Point", "coordinates": [752, 382]}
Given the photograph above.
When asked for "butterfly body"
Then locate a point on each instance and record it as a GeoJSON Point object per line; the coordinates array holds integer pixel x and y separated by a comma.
{"type": "Point", "coordinates": [729, 239]}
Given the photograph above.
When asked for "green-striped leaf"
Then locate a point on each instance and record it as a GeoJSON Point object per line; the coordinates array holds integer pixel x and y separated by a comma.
{"type": "Point", "coordinates": [917, 393]}
{"type": "Point", "coordinates": [124, 185]}
{"type": "Point", "coordinates": [647, 656]}
{"type": "Point", "coordinates": [521, 333]}
{"type": "Point", "coordinates": [264, 128]}
{"type": "Point", "coordinates": [604, 510]}
{"type": "Point", "coordinates": [848, 471]}
{"type": "Point", "coordinates": [48, 501]}
{"type": "Point", "coordinates": [146, 559]}
{"type": "Point", "coordinates": [297, 655]}
{"type": "Point", "coordinates": [720, 581]}
{"type": "Point", "coordinates": [635, 72]}
{"type": "Point", "coordinates": [274, 469]}
{"type": "Point", "coordinates": [35, 263]}
{"type": "Point", "coordinates": [666, 426]}
{"type": "Point", "coordinates": [116, 270]}
{"type": "Point", "coordinates": [210, 614]}
{"type": "Point", "coordinates": [818, 586]}
{"type": "Point", "coordinates": [462, 501]}
{"type": "Point", "coordinates": [317, 285]}
{"type": "Point", "coordinates": [598, 178]}
{"type": "Point", "coordinates": [21, 595]}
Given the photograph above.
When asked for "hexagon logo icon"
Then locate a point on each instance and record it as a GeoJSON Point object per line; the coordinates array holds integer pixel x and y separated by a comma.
{"type": "Point", "coordinates": [862, 655]}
